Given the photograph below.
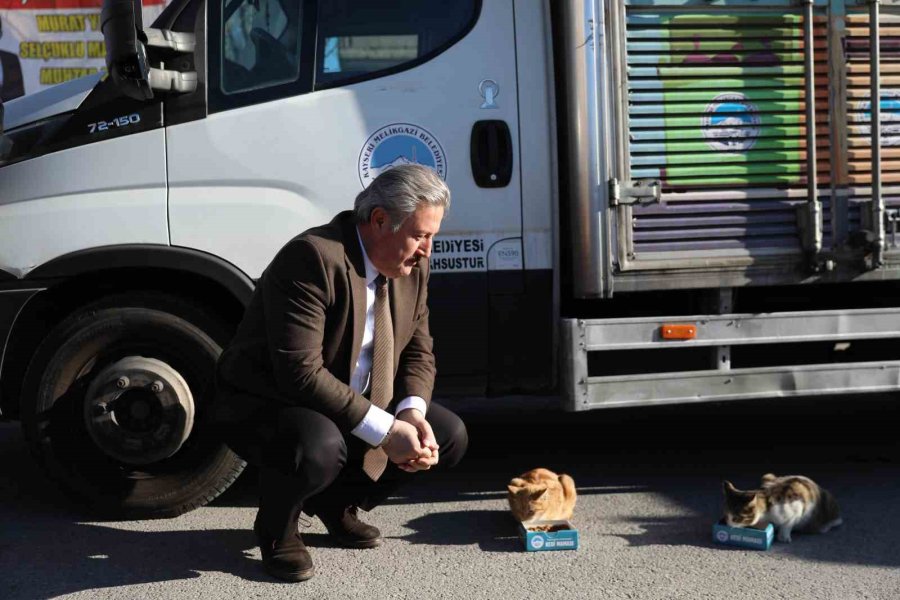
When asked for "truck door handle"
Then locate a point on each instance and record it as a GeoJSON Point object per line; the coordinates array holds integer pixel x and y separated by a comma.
{"type": "Point", "coordinates": [492, 154]}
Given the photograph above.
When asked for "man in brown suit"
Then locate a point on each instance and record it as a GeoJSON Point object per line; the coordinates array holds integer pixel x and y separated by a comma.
{"type": "Point", "coordinates": [327, 383]}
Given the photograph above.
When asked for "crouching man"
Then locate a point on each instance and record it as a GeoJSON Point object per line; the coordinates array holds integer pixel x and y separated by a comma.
{"type": "Point", "coordinates": [327, 384]}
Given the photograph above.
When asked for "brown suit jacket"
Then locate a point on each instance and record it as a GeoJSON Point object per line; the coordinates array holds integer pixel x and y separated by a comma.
{"type": "Point", "coordinates": [301, 335]}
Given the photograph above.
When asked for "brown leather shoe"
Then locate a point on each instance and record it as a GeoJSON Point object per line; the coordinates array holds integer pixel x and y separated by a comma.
{"type": "Point", "coordinates": [348, 530]}
{"type": "Point", "coordinates": [287, 559]}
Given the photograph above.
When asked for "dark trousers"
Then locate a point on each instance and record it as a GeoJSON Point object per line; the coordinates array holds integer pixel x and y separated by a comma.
{"type": "Point", "coordinates": [307, 464]}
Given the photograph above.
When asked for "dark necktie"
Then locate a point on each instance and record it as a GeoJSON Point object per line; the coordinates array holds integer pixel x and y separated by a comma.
{"type": "Point", "coordinates": [382, 388]}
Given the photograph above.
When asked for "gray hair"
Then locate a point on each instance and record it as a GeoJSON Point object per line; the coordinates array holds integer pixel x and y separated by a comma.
{"type": "Point", "coordinates": [400, 191]}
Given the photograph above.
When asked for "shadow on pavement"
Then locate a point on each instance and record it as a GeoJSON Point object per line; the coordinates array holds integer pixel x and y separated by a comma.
{"type": "Point", "coordinates": [492, 530]}
{"type": "Point", "coordinates": [670, 531]}
{"type": "Point", "coordinates": [52, 557]}
{"type": "Point", "coordinates": [838, 546]}
{"type": "Point", "coordinates": [682, 453]}
{"type": "Point", "coordinates": [47, 550]}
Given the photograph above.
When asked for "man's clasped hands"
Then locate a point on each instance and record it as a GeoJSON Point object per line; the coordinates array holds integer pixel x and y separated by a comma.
{"type": "Point", "coordinates": [410, 443]}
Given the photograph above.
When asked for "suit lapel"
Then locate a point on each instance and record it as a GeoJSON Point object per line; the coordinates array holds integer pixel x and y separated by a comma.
{"type": "Point", "coordinates": [395, 299]}
{"type": "Point", "coordinates": [356, 273]}
{"type": "Point", "coordinates": [403, 293]}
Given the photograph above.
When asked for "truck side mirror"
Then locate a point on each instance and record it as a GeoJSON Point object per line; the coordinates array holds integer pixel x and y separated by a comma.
{"type": "Point", "coordinates": [126, 54]}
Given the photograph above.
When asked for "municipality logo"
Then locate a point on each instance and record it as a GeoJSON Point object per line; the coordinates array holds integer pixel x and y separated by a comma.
{"type": "Point", "coordinates": [400, 144]}
{"type": "Point", "coordinates": [730, 123]}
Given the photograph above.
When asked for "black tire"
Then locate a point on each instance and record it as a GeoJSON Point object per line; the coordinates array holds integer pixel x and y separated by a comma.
{"type": "Point", "coordinates": [151, 325]}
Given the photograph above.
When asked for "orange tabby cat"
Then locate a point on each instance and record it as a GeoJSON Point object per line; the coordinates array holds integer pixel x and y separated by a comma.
{"type": "Point", "coordinates": [541, 494]}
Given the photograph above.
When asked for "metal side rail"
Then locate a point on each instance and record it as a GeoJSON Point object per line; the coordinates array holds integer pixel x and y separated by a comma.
{"type": "Point", "coordinates": [582, 391]}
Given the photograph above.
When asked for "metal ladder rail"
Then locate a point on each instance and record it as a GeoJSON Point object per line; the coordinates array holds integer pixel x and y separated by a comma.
{"type": "Point", "coordinates": [814, 207]}
{"type": "Point", "coordinates": [875, 129]}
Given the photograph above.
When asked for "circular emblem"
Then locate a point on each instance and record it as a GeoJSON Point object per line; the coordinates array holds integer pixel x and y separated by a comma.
{"type": "Point", "coordinates": [537, 542]}
{"type": "Point", "coordinates": [730, 123]}
{"type": "Point", "coordinates": [722, 536]}
{"type": "Point", "coordinates": [400, 144]}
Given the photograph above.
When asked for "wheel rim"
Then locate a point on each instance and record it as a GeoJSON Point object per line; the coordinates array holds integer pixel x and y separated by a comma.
{"type": "Point", "coordinates": [139, 410]}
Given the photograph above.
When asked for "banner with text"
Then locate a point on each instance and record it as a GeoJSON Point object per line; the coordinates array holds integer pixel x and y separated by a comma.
{"type": "Point", "coordinates": [46, 42]}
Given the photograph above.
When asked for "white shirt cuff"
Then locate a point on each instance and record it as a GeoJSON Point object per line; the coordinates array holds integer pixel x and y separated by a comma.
{"type": "Point", "coordinates": [412, 402]}
{"type": "Point", "coordinates": [374, 426]}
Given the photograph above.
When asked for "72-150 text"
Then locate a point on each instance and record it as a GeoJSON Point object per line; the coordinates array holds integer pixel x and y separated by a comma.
{"type": "Point", "coordinates": [123, 121]}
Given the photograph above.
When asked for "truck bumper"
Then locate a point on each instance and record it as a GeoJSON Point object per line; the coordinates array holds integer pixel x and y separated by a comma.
{"type": "Point", "coordinates": [648, 382]}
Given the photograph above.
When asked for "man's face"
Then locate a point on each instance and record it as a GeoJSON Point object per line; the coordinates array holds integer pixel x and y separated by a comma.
{"type": "Point", "coordinates": [395, 253]}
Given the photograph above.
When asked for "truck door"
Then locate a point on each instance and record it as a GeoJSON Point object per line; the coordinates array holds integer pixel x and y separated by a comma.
{"type": "Point", "coordinates": [310, 101]}
{"type": "Point", "coordinates": [744, 145]}
{"type": "Point", "coordinates": [723, 136]}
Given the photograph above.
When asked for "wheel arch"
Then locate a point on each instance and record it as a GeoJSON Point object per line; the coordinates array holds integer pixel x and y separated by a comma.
{"type": "Point", "coordinates": [76, 279]}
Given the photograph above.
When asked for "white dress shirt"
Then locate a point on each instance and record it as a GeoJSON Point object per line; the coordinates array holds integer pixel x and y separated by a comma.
{"type": "Point", "coordinates": [377, 422]}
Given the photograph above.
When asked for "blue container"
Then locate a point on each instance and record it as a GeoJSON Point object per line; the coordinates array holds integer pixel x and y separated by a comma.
{"type": "Point", "coordinates": [566, 538]}
{"type": "Point", "coordinates": [744, 537]}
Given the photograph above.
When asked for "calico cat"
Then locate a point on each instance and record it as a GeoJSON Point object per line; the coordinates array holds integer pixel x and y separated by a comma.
{"type": "Point", "coordinates": [789, 503]}
{"type": "Point", "coordinates": [541, 494]}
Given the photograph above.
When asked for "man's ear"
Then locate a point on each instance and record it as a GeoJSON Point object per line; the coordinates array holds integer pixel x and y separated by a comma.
{"type": "Point", "coordinates": [379, 218]}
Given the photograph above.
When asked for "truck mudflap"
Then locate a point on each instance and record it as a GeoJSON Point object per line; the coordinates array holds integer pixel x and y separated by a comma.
{"type": "Point", "coordinates": [720, 346]}
{"type": "Point", "coordinates": [11, 303]}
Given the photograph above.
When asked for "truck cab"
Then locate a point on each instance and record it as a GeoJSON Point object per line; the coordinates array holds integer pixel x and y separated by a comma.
{"type": "Point", "coordinates": [139, 207]}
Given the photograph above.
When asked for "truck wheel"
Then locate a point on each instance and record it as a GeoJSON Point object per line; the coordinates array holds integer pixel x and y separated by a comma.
{"type": "Point", "coordinates": [116, 407]}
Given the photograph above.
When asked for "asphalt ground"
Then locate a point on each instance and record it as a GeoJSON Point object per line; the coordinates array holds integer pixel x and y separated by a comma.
{"type": "Point", "coordinates": [649, 483]}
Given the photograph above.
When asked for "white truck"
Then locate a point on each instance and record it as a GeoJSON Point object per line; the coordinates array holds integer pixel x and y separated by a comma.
{"type": "Point", "coordinates": [643, 212]}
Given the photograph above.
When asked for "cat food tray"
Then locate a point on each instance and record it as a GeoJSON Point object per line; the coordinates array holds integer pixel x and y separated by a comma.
{"type": "Point", "coordinates": [548, 535]}
{"type": "Point", "coordinates": [743, 537]}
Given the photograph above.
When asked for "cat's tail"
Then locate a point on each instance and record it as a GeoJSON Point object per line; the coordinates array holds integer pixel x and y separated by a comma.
{"type": "Point", "coordinates": [568, 485]}
{"type": "Point", "coordinates": [831, 525]}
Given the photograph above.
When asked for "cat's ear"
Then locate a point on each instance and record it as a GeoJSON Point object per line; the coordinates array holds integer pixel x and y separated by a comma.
{"type": "Point", "coordinates": [768, 478]}
{"type": "Point", "coordinates": [518, 482]}
{"type": "Point", "coordinates": [537, 493]}
{"type": "Point", "coordinates": [728, 487]}
{"type": "Point", "coordinates": [513, 489]}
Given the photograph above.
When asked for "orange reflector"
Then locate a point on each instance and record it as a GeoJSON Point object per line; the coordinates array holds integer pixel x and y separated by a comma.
{"type": "Point", "coordinates": [670, 331]}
